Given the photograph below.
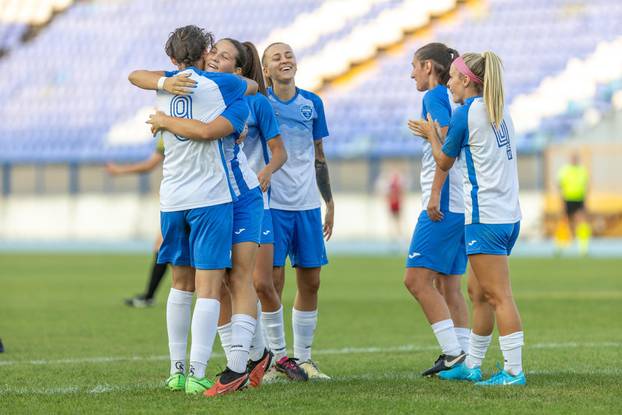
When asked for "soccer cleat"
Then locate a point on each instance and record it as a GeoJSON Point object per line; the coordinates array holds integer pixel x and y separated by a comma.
{"type": "Point", "coordinates": [227, 382]}
{"type": "Point", "coordinates": [503, 378]}
{"type": "Point", "coordinates": [290, 368]}
{"type": "Point", "coordinates": [312, 371]}
{"type": "Point", "coordinates": [139, 301]}
{"type": "Point", "coordinates": [176, 382]}
{"type": "Point", "coordinates": [444, 362]}
{"type": "Point", "coordinates": [461, 372]}
{"type": "Point", "coordinates": [256, 370]}
{"type": "Point", "coordinates": [273, 376]}
{"type": "Point", "coordinates": [194, 386]}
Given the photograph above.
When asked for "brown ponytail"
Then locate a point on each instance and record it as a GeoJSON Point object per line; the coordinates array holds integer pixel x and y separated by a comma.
{"type": "Point", "coordinates": [252, 68]}
{"type": "Point", "coordinates": [441, 57]}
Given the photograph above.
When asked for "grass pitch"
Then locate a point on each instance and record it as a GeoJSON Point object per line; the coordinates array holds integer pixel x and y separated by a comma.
{"type": "Point", "coordinates": [73, 347]}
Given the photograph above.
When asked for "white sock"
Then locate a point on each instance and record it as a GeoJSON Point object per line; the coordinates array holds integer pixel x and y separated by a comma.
{"type": "Point", "coordinates": [224, 332]}
{"type": "Point", "coordinates": [178, 308]}
{"type": "Point", "coordinates": [275, 332]}
{"type": "Point", "coordinates": [512, 348]}
{"type": "Point", "coordinates": [258, 345]}
{"type": "Point", "coordinates": [204, 327]}
{"type": "Point", "coordinates": [304, 324]}
{"type": "Point", "coordinates": [242, 331]}
{"type": "Point", "coordinates": [478, 346]}
{"type": "Point", "coordinates": [463, 334]}
{"type": "Point", "coordinates": [446, 337]}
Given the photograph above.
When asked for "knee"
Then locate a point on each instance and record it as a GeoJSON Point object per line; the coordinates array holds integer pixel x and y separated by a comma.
{"type": "Point", "coordinates": [265, 288]}
{"type": "Point", "coordinates": [453, 298]}
{"type": "Point", "coordinates": [477, 296]}
{"type": "Point", "coordinates": [416, 286]}
{"type": "Point", "coordinates": [309, 287]}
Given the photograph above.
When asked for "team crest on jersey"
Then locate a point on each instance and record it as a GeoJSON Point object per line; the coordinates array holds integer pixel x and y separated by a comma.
{"type": "Point", "coordinates": [306, 111]}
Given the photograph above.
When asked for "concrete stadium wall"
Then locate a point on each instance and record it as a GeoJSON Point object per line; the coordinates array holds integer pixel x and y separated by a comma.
{"type": "Point", "coordinates": [122, 217]}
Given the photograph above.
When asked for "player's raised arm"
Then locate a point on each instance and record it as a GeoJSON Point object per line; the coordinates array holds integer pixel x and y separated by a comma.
{"type": "Point", "coordinates": [189, 128]}
{"type": "Point", "coordinates": [232, 120]}
{"type": "Point", "coordinates": [157, 80]}
{"type": "Point", "coordinates": [252, 87]}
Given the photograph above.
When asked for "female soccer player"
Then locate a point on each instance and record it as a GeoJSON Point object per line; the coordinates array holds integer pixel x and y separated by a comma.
{"type": "Point", "coordinates": [437, 255]}
{"type": "Point", "coordinates": [266, 154]}
{"type": "Point", "coordinates": [229, 55]}
{"type": "Point", "coordinates": [295, 201]}
{"type": "Point", "coordinates": [197, 213]}
{"type": "Point", "coordinates": [157, 270]}
{"type": "Point", "coordinates": [482, 134]}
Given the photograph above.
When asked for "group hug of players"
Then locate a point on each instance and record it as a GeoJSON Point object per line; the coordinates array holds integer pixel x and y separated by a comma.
{"type": "Point", "coordinates": [243, 172]}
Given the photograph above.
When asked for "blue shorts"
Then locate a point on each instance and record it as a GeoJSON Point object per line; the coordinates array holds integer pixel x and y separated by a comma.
{"type": "Point", "coordinates": [247, 217]}
{"type": "Point", "coordinates": [491, 239]}
{"type": "Point", "coordinates": [199, 238]}
{"type": "Point", "coordinates": [439, 246]}
{"type": "Point", "coordinates": [267, 229]}
{"type": "Point", "coordinates": [299, 235]}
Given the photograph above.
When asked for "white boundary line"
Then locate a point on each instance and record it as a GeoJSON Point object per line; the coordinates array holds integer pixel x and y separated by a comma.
{"type": "Point", "coordinates": [409, 376]}
{"type": "Point", "coordinates": [342, 351]}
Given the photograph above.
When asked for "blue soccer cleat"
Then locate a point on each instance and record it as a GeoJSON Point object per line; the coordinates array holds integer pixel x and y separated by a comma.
{"type": "Point", "coordinates": [503, 378]}
{"type": "Point", "coordinates": [461, 372]}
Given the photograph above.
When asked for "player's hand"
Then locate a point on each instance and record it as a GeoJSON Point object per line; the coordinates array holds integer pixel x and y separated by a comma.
{"type": "Point", "coordinates": [329, 220]}
{"type": "Point", "coordinates": [264, 177]}
{"type": "Point", "coordinates": [243, 135]}
{"type": "Point", "coordinates": [114, 169]}
{"type": "Point", "coordinates": [424, 128]}
{"type": "Point", "coordinates": [157, 121]}
{"type": "Point", "coordinates": [180, 84]}
{"type": "Point", "coordinates": [434, 207]}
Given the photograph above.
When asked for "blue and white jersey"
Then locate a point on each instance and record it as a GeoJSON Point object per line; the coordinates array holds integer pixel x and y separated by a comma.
{"type": "Point", "coordinates": [302, 122]}
{"type": "Point", "coordinates": [262, 127]}
{"type": "Point", "coordinates": [437, 103]}
{"type": "Point", "coordinates": [488, 158]}
{"type": "Point", "coordinates": [195, 172]}
{"type": "Point", "coordinates": [241, 177]}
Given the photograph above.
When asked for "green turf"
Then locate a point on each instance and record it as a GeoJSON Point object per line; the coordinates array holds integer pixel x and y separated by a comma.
{"type": "Point", "coordinates": [57, 310]}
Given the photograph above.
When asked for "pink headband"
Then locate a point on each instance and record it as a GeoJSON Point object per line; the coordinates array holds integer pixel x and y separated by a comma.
{"type": "Point", "coordinates": [464, 70]}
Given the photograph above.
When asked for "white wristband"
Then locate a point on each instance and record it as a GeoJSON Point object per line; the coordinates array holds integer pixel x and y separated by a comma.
{"type": "Point", "coordinates": [161, 83]}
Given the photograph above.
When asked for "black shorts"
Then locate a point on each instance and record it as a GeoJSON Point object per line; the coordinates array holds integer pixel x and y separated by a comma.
{"type": "Point", "coordinates": [573, 207]}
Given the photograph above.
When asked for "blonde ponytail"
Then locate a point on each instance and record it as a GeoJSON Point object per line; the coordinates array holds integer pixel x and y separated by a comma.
{"type": "Point", "coordinates": [488, 67]}
{"type": "Point", "coordinates": [493, 87]}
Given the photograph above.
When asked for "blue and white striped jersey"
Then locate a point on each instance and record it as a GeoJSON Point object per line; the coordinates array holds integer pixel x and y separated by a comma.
{"type": "Point", "coordinates": [437, 103]}
{"type": "Point", "coordinates": [195, 173]}
{"type": "Point", "coordinates": [488, 159]}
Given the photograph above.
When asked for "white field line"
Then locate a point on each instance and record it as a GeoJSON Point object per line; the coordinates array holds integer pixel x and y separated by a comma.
{"type": "Point", "coordinates": [342, 351]}
{"type": "Point", "coordinates": [408, 376]}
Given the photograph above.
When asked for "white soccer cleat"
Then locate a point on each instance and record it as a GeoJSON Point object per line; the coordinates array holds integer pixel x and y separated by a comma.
{"type": "Point", "coordinates": [312, 371]}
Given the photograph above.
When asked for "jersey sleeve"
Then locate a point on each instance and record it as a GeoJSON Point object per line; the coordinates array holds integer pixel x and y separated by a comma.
{"type": "Point", "coordinates": [437, 105]}
{"type": "Point", "coordinates": [320, 129]}
{"type": "Point", "coordinates": [232, 87]}
{"type": "Point", "coordinates": [168, 74]}
{"type": "Point", "coordinates": [160, 145]}
{"type": "Point", "coordinates": [457, 133]}
{"type": "Point", "coordinates": [266, 120]}
{"type": "Point", "coordinates": [237, 114]}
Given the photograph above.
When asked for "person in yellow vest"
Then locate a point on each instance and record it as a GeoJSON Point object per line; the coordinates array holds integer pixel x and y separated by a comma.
{"type": "Point", "coordinates": [573, 181]}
